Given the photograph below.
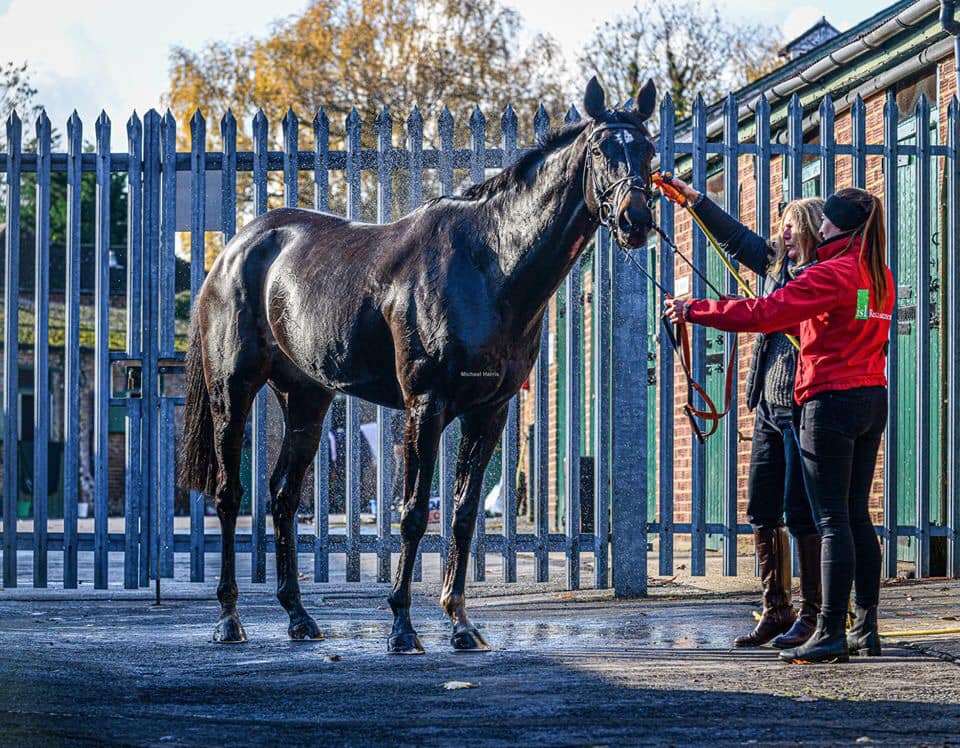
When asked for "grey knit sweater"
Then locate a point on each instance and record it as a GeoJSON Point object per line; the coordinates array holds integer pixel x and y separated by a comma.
{"type": "Point", "coordinates": [780, 364]}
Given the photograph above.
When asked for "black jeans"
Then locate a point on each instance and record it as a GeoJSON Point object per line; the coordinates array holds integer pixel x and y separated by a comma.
{"type": "Point", "coordinates": [839, 438]}
{"type": "Point", "coordinates": [775, 486]}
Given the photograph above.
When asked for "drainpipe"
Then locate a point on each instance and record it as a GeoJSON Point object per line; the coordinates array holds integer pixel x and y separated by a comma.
{"type": "Point", "coordinates": [949, 24]}
{"type": "Point", "coordinates": [949, 333]}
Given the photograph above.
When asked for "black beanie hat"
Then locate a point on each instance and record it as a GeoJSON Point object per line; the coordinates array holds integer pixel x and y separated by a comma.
{"type": "Point", "coordinates": [845, 214]}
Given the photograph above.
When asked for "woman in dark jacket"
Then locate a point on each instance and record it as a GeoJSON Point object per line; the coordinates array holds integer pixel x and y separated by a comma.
{"type": "Point", "coordinates": [775, 486]}
{"type": "Point", "coordinates": [843, 306]}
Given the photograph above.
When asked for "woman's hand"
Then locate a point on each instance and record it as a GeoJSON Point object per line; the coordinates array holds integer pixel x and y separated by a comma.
{"type": "Point", "coordinates": [683, 188]}
{"type": "Point", "coordinates": [675, 310]}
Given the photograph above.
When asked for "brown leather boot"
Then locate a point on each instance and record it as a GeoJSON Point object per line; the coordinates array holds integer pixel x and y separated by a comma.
{"type": "Point", "coordinates": [808, 551]}
{"type": "Point", "coordinates": [773, 552]}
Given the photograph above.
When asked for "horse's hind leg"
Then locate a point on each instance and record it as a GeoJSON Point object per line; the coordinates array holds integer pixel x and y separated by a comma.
{"type": "Point", "coordinates": [425, 422]}
{"type": "Point", "coordinates": [230, 400]}
{"type": "Point", "coordinates": [480, 432]}
{"type": "Point", "coordinates": [304, 406]}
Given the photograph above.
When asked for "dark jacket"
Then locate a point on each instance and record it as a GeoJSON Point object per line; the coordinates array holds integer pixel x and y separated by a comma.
{"type": "Point", "coordinates": [753, 251]}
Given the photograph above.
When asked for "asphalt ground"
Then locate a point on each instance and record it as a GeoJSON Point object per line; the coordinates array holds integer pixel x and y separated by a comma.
{"type": "Point", "coordinates": [566, 669]}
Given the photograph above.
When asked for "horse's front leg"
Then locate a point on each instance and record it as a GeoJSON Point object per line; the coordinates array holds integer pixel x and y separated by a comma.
{"type": "Point", "coordinates": [425, 422]}
{"type": "Point", "coordinates": [480, 432]}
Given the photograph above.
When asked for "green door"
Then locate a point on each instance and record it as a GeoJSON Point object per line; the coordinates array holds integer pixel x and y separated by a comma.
{"type": "Point", "coordinates": [908, 328]}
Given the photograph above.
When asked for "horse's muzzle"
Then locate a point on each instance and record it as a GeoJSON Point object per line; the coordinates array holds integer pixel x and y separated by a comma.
{"type": "Point", "coordinates": [634, 220]}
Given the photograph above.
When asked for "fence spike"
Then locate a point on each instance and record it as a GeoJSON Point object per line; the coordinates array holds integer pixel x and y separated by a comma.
{"type": "Point", "coordinates": [541, 122]}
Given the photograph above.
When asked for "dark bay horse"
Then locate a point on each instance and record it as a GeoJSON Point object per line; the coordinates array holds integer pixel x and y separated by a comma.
{"type": "Point", "coordinates": [438, 313]}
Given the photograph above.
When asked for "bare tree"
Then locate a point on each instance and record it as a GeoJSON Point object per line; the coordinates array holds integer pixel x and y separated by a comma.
{"type": "Point", "coordinates": [687, 47]}
{"type": "Point", "coordinates": [16, 91]}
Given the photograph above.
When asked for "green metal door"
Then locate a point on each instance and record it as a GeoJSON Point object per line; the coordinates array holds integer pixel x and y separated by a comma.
{"type": "Point", "coordinates": [908, 328]}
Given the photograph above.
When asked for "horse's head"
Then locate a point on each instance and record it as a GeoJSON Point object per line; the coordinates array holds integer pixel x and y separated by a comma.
{"type": "Point", "coordinates": [617, 171]}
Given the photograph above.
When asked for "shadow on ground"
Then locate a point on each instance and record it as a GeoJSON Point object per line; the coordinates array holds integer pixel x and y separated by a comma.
{"type": "Point", "coordinates": [563, 672]}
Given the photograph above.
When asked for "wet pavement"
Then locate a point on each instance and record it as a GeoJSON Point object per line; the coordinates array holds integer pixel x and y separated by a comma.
{"type": "Point", "coordinates": [567, 668]}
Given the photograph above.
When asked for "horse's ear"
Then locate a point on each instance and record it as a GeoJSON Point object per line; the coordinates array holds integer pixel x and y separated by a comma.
{"type": "Point", "coordinates": [646, 100]}
{"type": "Point", "coordinates": [593, 103]}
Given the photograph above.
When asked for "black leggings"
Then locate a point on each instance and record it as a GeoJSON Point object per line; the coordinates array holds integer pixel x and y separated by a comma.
{"type": "Point", "coordinates": [840, 435]}
{"type": "Point", "coordinates": [775, 485]}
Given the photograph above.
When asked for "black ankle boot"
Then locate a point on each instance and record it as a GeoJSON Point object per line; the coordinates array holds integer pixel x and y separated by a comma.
{"type": "Point", "coordinates": [828, 643]}
{"type": "Point", "coordinates": [863, 635]}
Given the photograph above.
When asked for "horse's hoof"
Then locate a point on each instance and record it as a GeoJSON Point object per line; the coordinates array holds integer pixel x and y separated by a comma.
{"type": "Point", "coordinates": [304, 629]}
{"type": "Point", "coordinates": [229, 630]}
{"type": "Point", "coordinates": [406, 644]}
{"type": "Point", "coordinates": [469, 640]}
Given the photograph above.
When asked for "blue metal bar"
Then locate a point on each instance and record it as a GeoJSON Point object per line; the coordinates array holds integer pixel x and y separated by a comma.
{"type": "Point", "coordinates": [41, 353]}
{"type": "Point", "coordinates": [11, 346]}
{"type": "Point", "coordinates": [415, 168]}
{"type": "Point", "coordinates": [321, 462]}
{"type": "Point", "coordinates": [228, 195]}
{"type": "Point", "coordinates": [541, 124]}
{"type": "Point", "coordinates": [259, 487]}
{"type": "Point", "coordinates": [198, 220]}
{"type": "Point", "coordinates": [415, 159]}
{"type": "Point", "coordinates": [291, 132]}
{"type": "Point", "coordinates": [133, 476]}
{"type": "Point", "coordinates": [101, 372]}
{"type": "Point", "coordinates": [827, 148]}
{"type": "Point", "coordinates": [698, 453]}
{"type": "Point", "coordinates": [353, 405]}
{"type": "Point", "coordinates": [149, 529]}
{"type": "Point", "coordinates": [794, 150]}
{"type": "Point", "coordinates": [890, 439]}
{"type": "Point", "coordinates": [602, 255]}
{"type": "Point", "coordinates": [478, 127]}
{"type": "Point", "coordinates": [923, 383]}
{"type": "Point", "coordinates": [71, 354]}
{"type": "Point", "coordinates": [666, 364]}
{"type": "Point", "coordinates": [166, 261]}
{"type": "Point", "coordinates": [385, 416]}
{"type": "Point", "coordinates": [858, 142]}
{"type": "Point", "coordinates": [448, 441]}
{"type": "Point", "coordinates": [731, 437]}
{"type": "Point", "coordinates": [510, 441]}
{"type": "Point", "coordinates": [571, 442]}
{"type": "Point", "coordinates": [573, 359]}
{"type": "Point", "coordinates": [321, 161]}
{"type": "Point", "coordinates": [952, 320]}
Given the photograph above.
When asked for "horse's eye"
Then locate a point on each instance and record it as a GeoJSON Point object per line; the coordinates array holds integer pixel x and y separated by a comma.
{"type": "Point", "coordinates": [596, 151]}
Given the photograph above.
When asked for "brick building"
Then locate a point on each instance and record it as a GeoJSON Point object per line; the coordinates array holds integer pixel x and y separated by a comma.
{"type": "Point", "coordinates": [899, 54]}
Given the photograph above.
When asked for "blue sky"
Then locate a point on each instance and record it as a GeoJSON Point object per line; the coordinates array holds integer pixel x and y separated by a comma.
{"type": "Point", "coordinates": [113, 54]}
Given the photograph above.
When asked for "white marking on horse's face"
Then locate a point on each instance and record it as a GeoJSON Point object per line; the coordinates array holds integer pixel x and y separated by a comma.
{"type": "Point", "coordinates": [623, 137]}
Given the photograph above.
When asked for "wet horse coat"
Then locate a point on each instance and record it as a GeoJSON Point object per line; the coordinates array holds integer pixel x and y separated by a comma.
{"type": "Point", "coordinates": [438, 314]}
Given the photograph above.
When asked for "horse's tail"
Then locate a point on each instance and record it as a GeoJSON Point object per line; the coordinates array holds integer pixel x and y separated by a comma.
{"type": "Point", "coordinates": [198, 465]}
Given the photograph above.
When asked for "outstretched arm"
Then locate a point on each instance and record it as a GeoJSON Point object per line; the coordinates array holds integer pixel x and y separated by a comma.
{"type": "Point", "coordinates": [739, 242]}
{"type": "Point", "coordinates": [814, 292]}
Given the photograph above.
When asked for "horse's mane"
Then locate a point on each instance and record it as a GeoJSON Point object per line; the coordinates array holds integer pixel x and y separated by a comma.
{"type": "Point", "coordinates": [514, 174]}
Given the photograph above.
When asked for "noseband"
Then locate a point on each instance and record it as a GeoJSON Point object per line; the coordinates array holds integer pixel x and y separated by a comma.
{"type": "Point", "coordinates": [609, 198]}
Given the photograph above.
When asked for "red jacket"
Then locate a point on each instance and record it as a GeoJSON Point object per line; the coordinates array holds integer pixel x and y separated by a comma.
{"type": "Point", "coordinates": [838, 350]}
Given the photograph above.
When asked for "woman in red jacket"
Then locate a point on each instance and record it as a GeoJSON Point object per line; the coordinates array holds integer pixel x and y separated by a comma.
{"type": "Point", "coordinates": [843, 306]}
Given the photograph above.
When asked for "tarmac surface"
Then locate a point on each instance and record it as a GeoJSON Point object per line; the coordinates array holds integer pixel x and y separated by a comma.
{"type": "Point", "coordinates": [567, 668]}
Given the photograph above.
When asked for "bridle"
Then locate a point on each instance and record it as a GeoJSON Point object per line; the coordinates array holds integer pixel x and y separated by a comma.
{"type": "Point", "coordinates": [610, 197]}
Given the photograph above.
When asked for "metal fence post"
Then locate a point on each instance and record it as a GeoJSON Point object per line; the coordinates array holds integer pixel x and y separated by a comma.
{"type": "Point", "coordinates": [629, 428]}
